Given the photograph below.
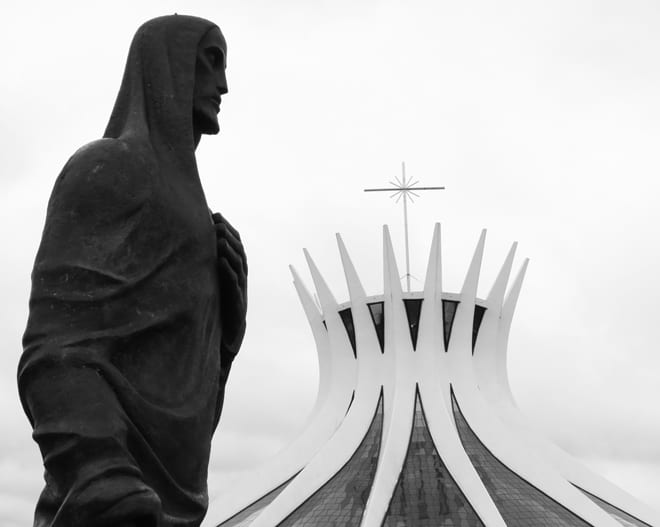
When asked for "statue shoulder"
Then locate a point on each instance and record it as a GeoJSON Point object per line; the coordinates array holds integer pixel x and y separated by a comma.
{"type": "Point", "coordinates": [106, 169]}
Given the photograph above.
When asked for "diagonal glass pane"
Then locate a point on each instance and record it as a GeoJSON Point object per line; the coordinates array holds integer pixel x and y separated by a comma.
{"type": "Point", "coordinates": [347, 318]}
{"type": "Point", "coordinates": [426, 495]}
{"type": "Point", "coordinates": [413, 309]}
{"type": "Point", "coordinates": [378, 318]}
{"type": "Point", "coordinates": [622, 517]}
{"type": "Point", "coordinates": [342, 499]}
{"type": "Point", "coordinates": [520, 503]}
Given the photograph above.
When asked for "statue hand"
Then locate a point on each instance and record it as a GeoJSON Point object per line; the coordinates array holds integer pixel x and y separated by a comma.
{"type": "Point", "coordinates": [232, 272]}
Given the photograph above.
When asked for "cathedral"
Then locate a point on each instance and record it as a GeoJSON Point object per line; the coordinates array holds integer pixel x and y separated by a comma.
{"type": "Point", "coordinates": [414, 422]}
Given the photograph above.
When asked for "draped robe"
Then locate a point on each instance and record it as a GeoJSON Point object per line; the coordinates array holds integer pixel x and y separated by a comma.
{"type": "Point", "coordinates": [121, 374]}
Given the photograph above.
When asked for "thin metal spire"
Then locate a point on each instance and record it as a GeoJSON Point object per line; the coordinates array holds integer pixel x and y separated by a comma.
{"type": "Point", "coordinates": [406, 189]}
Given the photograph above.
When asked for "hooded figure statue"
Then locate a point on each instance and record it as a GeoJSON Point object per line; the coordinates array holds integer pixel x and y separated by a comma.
{"type": "Point", "coordinates": [138, 300]}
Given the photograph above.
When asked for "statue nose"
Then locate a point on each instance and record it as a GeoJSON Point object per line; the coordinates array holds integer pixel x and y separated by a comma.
{"type": "Point", "coordinates": [222, 83]}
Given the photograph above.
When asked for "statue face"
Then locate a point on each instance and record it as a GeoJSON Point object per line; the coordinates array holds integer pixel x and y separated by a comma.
{"type": "Point", "coordinates": [210, 82]}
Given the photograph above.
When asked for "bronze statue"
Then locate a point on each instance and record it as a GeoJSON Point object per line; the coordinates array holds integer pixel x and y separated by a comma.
{"type": "Point", "coordinates": [138, 300]}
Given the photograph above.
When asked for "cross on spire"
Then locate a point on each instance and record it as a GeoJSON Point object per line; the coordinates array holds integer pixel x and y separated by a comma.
{"type": "Point", "coordinates": [406, 189]}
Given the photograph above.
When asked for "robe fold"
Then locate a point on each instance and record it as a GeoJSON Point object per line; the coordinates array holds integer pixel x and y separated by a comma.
{"type": "Point", "coordinates": [121, 374]}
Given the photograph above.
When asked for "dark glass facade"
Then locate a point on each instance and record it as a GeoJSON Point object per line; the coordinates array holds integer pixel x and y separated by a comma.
{"type": "Point", "coordinates": [347, 318]}
{"type": "Point", "coordinates": [413, 310]}
{"type": "Point", "coordinates": [622, 517]}
{"type": "Point", "coordinates": [426, 495]}
{"type": "Point", "coordinates": [341, 501]}
{"type": "Point", "coordinates": [476, 324]}
{"type": "Point", "coordinates": [350, 403]}
{"type": "Point", "coordinates": [247, 515]}
{"type": "Point", "coordinates": [378, 318]}
{"type": "Point", "coordinates": [520, 503]}
{"type": "Point", "coordinates": [448, 312]}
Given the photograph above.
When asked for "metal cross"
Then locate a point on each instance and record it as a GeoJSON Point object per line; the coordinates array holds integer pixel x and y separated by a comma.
{"type": "Point", "coordinates": [404, 189]}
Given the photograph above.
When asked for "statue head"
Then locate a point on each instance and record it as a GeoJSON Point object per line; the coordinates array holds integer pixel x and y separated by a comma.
{"type": "Point", "coordinates": [172, 86]}
{"type": "Point", "coordinates": [210, 82]}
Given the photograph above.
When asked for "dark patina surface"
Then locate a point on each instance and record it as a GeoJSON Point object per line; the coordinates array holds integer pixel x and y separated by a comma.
{"type": "Point", "coordinates": [138, 300]}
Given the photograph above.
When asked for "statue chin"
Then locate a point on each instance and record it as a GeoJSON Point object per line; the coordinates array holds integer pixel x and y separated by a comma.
{"type": "Point", "coordinates": [206, 124]}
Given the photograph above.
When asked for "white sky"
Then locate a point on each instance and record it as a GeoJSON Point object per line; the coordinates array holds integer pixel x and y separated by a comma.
{"type": "Point", "coordinates": [541, 118]}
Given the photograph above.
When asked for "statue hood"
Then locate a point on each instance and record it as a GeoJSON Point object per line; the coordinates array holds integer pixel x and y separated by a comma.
{"type": "Point", "coordinates": [156, 93]}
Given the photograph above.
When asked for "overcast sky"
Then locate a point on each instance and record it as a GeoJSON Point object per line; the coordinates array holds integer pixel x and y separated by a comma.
{"type": "Point", "coordinates": [542, 119]}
